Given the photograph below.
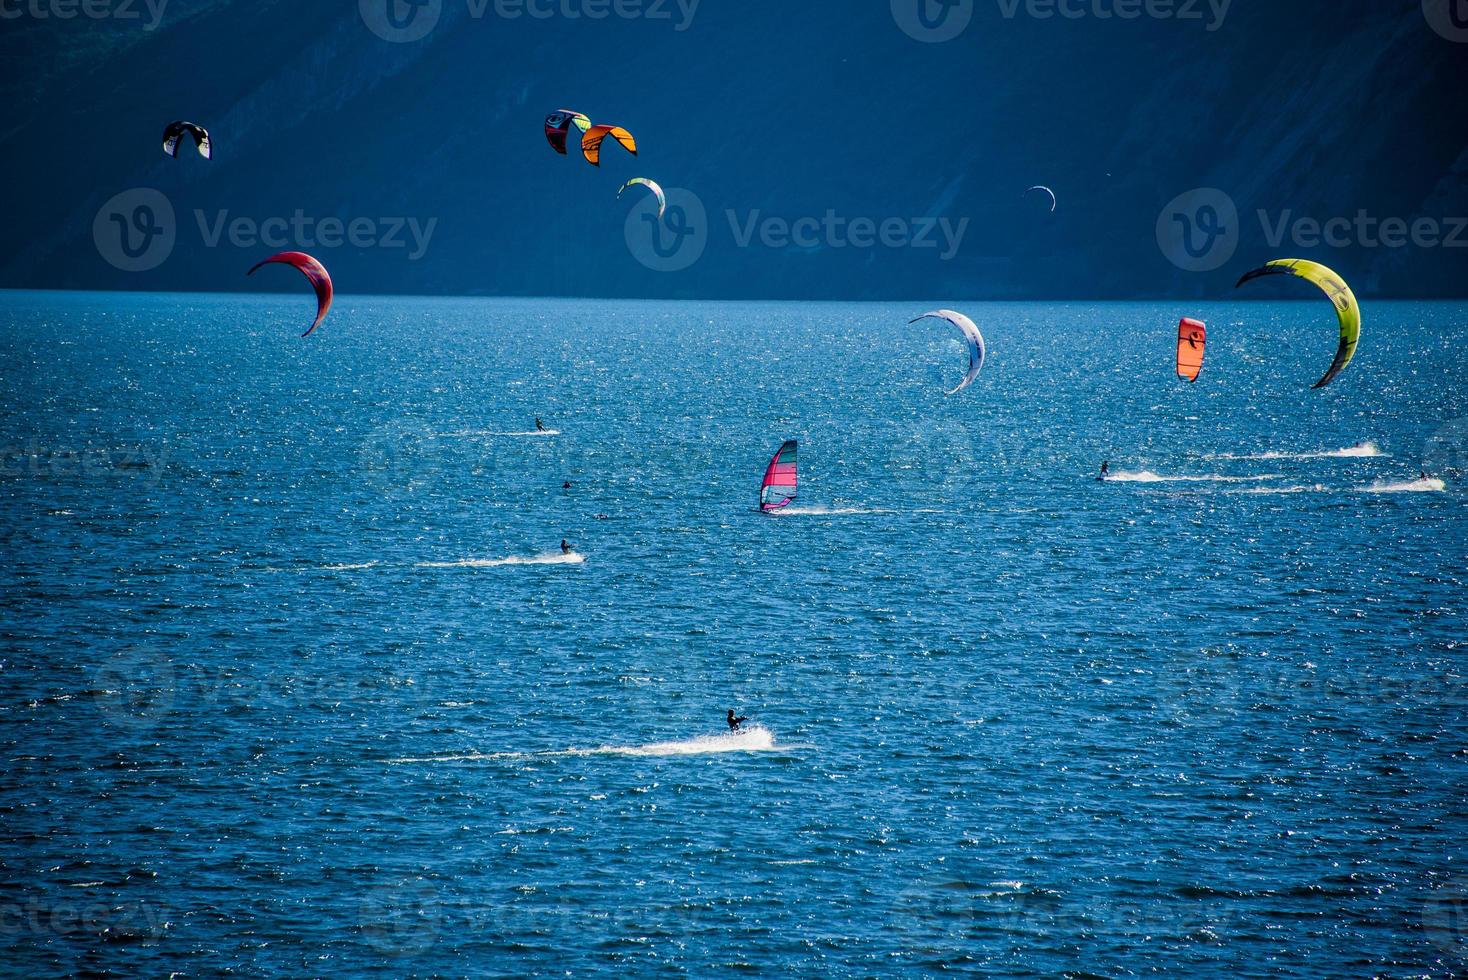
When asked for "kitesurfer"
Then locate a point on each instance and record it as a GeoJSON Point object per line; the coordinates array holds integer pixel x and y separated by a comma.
{"type": "Point", "coordinates": [539, 425]}
{"type": "Point", "coordinates": [565, 547]}
{"type": "Point", "coordinates": [734, 723]}
{"type": "Point", "coordinates": [1105, 472]}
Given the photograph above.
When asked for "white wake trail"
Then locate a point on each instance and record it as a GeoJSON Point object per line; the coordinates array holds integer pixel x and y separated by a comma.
{"type": "Point", "coordinates": [754, 739]}
{"type": "Point", "coordinates": [1312, 488]}
{"type": "Point", "coordinates": [1362, 450]}
{"type": "Point", "coordinates": [1147, 476]}
{"type": "Point", "coordinates": [573, 558]}
{"type": "Point", "coordinates": [1429, 485]}
{"type": "Point", "coordinates": [488, 434]}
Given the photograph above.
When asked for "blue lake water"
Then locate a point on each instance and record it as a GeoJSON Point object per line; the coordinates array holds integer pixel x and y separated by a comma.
{"type": "Point", "coordinates": [296, 683]}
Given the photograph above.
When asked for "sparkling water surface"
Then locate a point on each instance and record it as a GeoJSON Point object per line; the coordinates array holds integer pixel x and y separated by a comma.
{"type": "Point", "coordinates": [296, 680]}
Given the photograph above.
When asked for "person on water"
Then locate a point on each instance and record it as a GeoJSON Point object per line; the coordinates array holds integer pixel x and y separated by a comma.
{"type": "Point", "coordinates": [566, 485]}
{"type": "Point", "coordinates": [1105, 471]}
{"type": "Point", "coordinates": [565, 547]}
{"type": "Point", "coordinates": [734, 723]}
{"type": "Point", "coordinates": [539, 425]}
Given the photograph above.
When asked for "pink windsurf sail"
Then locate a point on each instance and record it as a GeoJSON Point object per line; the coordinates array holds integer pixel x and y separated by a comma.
{"type": "Point", "coordinates": [778, 489]}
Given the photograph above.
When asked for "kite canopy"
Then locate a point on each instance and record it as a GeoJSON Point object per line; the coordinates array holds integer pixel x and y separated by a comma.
{"type": "Point", "coordinates": [778, 488]}
{"type": "Point", "coordinates": [1192, 340]}
{"type": "Point", "coordinates": [651, 185]}
{"type": "Point", "coordinates": [977, 350]}
{"type": "Point", "coordinates": [596, 135]}
{"type": "Point", "coordinates": [175, 132]}
{"type": "Point", "coordinates": [1348, 311]}
{"type": "Point", "coordinates": [558, 125]}
{"type": "Point", "coordinates": [1043, 189]}
{"type": "Point", "coordinates": [313, 271]}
